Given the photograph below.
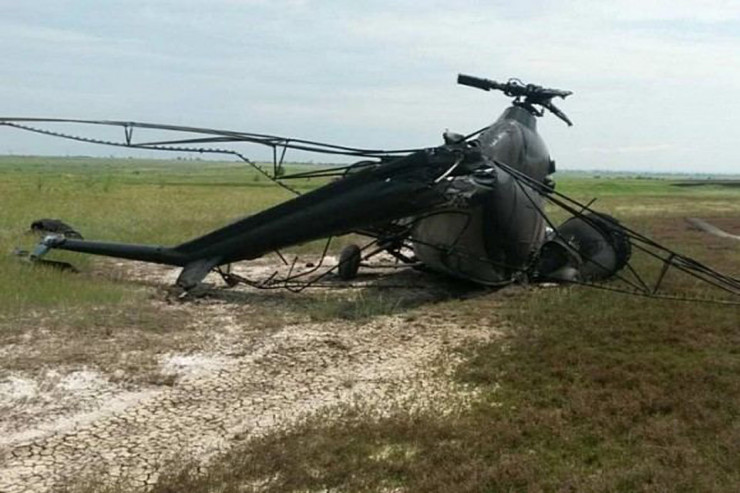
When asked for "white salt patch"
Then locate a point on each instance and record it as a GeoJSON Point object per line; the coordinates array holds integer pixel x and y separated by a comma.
{"type": "Point", "coordinates": [83, 380]}
{"type": "Point", "coordinates": [190, 364]}
{"type": "Point", "coordinates": [50, 401]}
{"type": "Point", "coordinates": [66, 423]}
{"type": "Point", "coordinates": [14, 389]}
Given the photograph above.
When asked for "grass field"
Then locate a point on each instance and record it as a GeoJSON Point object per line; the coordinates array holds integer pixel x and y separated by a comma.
{"type": "Point", "coordinates": [159, 202]}
{"type": "Point", "coordinates": [587, 390]}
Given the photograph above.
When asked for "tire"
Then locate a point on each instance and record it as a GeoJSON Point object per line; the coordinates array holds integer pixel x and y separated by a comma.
{"type": "Point", "coordinates": [349, 262]}
{"type": "Point", "coordinates": [601, 242]}
{"type": "Point", "coordinates": [617, 237]}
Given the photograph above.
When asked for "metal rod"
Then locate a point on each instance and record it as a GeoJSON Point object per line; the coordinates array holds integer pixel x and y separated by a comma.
{"type": "Point", "coordinates": [666, 266]}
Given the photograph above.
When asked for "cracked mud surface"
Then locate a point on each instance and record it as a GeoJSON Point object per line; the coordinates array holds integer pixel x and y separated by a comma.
{"type": "Point", "coordinates": [243, 380]}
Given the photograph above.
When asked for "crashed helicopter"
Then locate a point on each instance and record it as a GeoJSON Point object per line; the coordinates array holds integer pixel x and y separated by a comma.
{"type": "Point", "coordinates": [472, 208]}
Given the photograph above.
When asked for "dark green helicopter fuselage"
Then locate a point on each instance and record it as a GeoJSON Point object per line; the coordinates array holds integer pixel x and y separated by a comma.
{"type": "Point", "coordinates": [491, 236]}
{"type": "Point", "coordinates": [491, 240]}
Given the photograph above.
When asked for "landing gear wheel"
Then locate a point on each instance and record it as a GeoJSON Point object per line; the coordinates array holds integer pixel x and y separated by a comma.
{"type": "Point", "coordinates": [349, 262]}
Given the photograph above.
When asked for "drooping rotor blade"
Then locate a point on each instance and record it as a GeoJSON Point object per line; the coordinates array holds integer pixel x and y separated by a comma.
{"type": "Point", "coordinates": [218, 136]}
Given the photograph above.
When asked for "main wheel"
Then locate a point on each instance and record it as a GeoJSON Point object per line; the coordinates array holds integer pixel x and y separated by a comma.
{"type": "Point", "coordinates": [349, 262]}
{"type": "Point", "coordinates": [603, 245]}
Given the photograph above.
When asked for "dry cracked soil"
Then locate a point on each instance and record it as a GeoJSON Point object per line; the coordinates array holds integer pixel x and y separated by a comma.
{"type": "Point", "coordinates": [240, 381]}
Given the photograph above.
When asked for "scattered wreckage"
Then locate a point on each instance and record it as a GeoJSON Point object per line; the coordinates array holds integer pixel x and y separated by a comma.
{"type": "Point", "coordinates": [472, 208]}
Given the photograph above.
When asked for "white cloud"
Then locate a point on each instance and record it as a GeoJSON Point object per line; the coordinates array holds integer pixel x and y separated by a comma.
{"type": "Point", "coordinates": [660, 10]}
{"type": "Point", "coordinates": [639, 149]}
{"type": "Point", "coordinates": [665, 72]}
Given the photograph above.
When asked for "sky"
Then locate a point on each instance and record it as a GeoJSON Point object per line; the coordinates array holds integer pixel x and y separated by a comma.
{"type": "Point", "coordinates": [656, 84]}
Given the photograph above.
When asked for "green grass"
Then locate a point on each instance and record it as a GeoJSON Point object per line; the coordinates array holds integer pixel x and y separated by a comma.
{"type": "Point", "coordinates": [586, 391]}
{"type": "Point", "coordinates": [167, 202]}
{"type": "Point", "coordinates": [629, 198]}
{"type": "Point", "coordinates": [139, 201]}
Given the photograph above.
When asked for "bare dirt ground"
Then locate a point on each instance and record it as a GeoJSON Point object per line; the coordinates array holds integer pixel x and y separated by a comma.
{"type": "Point", "coordinates": [241, 379]}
